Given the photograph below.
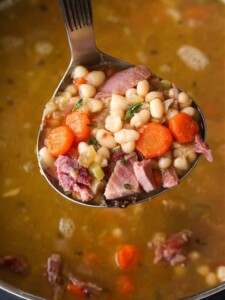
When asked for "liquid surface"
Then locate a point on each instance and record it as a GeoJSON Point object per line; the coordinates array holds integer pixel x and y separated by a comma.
{"type": "Point", "coordinates": [34, 55]}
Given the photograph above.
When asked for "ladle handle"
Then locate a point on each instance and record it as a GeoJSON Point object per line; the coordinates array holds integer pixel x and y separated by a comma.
{"type": "Point", "coordinates": [79, 25]}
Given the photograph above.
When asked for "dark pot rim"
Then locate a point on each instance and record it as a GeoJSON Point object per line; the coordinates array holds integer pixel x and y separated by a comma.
{"type": "Point", "coordinates": [24, 295]}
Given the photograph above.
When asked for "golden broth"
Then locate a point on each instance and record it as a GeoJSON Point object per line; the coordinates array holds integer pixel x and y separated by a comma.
{"type": "Point", "coordinates": [141, 32]}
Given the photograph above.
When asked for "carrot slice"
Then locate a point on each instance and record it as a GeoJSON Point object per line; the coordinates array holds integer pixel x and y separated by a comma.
{"type": "Point", "coordinates": [78, 122]}
{"type": "Point", "coordinates": [80, 81]}
{"type": "Point", "coordinates": [184, 128]}
{"type": "Point", "coordinates": [59, 140]}
{"type": "Point", "coordinates": [155, 140]}
{"type": "Point", "coordinates": [124, 285]}
{"type": "Point", "coordinates": [75, 290]}
{"type": "Point", "coordinates": [128, 257]}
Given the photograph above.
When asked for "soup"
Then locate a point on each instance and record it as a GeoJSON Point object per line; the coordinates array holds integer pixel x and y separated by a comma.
{"type": "Point", "coordinates": [33, 218]}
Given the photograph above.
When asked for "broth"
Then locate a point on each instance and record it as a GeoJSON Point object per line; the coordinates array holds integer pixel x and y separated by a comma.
{"type": "Point", "coordinates": [34, 55]}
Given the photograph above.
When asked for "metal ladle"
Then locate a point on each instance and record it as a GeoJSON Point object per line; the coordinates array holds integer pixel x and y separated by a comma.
{"type": "Point", "coordinates": [79, 26]}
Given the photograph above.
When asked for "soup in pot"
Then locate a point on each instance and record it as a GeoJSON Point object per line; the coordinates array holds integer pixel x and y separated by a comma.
{"type": "Point", "coordinates": [56, 249]}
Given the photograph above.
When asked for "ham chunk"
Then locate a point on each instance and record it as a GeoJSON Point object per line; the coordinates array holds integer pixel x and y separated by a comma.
{"type": "Point", "coordinates": [143, 173]}
{"type": "Point", "coordinates": [123, 181]}
{"type": "Point", "coordinates": [88, 289]}
{"type": "Point", "coordinates": [15, 264]}
{"type": "Point", "coordinates": [54, 277]}
{"type": "Point", "coordinates": [74, 178]}
{"type": "Point", "coordinates": [171, 250]}
{"type": "Point", "coordinates": [203, 148]}
{"type": "Point", "coordinates": [120, 82]}
{"type": "Point", "coordinates": [169, 178]}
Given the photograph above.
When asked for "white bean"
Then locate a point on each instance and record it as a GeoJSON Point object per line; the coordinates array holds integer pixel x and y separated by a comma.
{"type": "Point", "coordinates": [46, 159]}
{"type": "Point", "coordinates": [133, 99]}
{"type": "Point", "coordinates": [191, 156]}
{"type": "Point", "coordinates": [87, 90]}
{"type": "Point", "coordinates": [140, 118]}
{"type": "Point", "coordinates": [153, 95]}
{"type": "Point", "coordinates": [79, 72]}
{"type": "Point", "coordinates": [118, 101]}
{"type": "Point", "coordinates": [191, 111]}
{"type": "Point", "coordinates": [129, 92]}
{"type": "Point", "coordinates": [104, 162]}
{"type": "Point", "coordinates": [119, 112]}
{"type": "Point", "coordinates": [98, 159]}
{"type": "Point", "coordinates": [143, 88]}
{"type": "Point", "coordinates": [126, 135]}
{"type": "Point", "coordinates": [187, 104]}
{"type": "Point", "coordinates": [72, 89]}
{"type": "Point", "coordinates": [82, 147]}
{"type": "Point", "coordinates": [156, 108]}
{"type": "Point", "coordinates": [211, 279]}
{"type": "Point", "coordinates": [105, 139]}
{"type": "Point", "coordinates": [171, 93]}
{"type": "Point", "coordinates": [96, 78]}
{"type": "Point", "coordinates": [94, 105]}
{"type": "Point", "coordinates": [128, 147]}
{"type": "Point", "coordinates": [183, 98]}
{"type": "Point", "coordinates": [164, 162]}
{"type": "Point", "coordinates": [104, 152]}
{"type": "Point", "coordinates": [171, 113]}
{"type": "Point", "coordinates": [181, 163]}
{"type": "Point", "coordinates": [113, 123]}
{"type": "Point", "coordinates": [221, 273]}
{"type": "Point", "coordinates": [203, 270]}
{"type": "Point", "coordinates": [96, 186]}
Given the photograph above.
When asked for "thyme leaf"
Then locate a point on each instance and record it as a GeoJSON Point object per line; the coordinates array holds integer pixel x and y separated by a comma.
{"type": "Point", "coordinates": [123, 161]}
{"type": "Point", "coordinates": [78, 105]}
{"type": "Point", "coordinates": [128, 186]}
{"type": "Point", "coordinates": [132, 110]}
{"type": "Point", "coordinates": [93, 142]}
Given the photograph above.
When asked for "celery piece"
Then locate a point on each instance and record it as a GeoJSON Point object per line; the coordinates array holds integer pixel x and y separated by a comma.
{"type": "Point", "coordinates": [96, 171]}
{"type": "Point", "coordinates": [87, 157]}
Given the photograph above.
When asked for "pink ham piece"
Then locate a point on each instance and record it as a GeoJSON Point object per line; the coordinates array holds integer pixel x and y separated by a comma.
{"type": "Point", "coordinates": [169, 178]}
{"type": "Point", "coordinates": [203, 148]}
{"type": "Point", "coordinates": [74, 178]}
{"type": "Point", "coordinates": [123, 181]}
{"type": "Point", "coordinates": [143, 173]}
{"type": "Point", "coordinates": [15, 264]}
{"type": "Point", "coordinates": [170, 250]}
{"type": "Point", "coordinates": [120, 82]}
{"type": "Point", "coordinates": [54, 277]}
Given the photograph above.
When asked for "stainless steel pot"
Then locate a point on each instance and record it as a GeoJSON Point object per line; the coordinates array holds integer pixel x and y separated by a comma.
{"type": "Point", "coordinates": [17, 294]}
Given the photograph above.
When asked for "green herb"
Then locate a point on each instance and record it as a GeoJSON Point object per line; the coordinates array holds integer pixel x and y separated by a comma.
{"type": "Point", "coordinates": [123, 161]}
{"type": "Point", "coordinates": [91, 125]}
{"type": "Point", "coordinates": [93, 142]}
{"type": "Point", "coordinates": [132, 110]}
{"type": "Point", "coordinates": [128, 186]}
{"type": "Point", "coordinates": [78, 105]}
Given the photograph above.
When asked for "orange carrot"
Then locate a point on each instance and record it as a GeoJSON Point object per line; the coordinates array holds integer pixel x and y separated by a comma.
{"type": "Point", "coordinates": [128, 257]}
{"type": "Point", "coordinates": [73, 152]}
{"type": "Point", "coordinates": [184, 128]}
{"type": "Point", "coordinates": [59, 140]}
{"type": "Point", "coordinates": [158, 177]}
{"type": "Point", "coordinates": [124, 285]}
{"type": "Point", "coordinates": [78, 122]}
{"type": "Point", "coordinates": [79, 81]}
{"type": "Point", "coordinates": [155, 140]}
{"type": "Point", "coordinates": [75, 290]}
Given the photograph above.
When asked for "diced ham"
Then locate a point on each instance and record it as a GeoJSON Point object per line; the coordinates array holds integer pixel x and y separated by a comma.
{"type": "Point", "coordinates": [203, 148]}
{"type": "Point", "coordinates": [120, 82]}
{"type": "Point", "coordinates": [143, 173]}
{"type": "Point", "coordinates": [74, 178]}
{"type": "Point", "coordinates": [54, 277]}
{"type": "Point", "coordinates": [169, 178]}
{"type": "Point", "coordinates": [123, 181]}
{"type": "Point", "coordinates": [170, 250]}
{"type": "Point", "coordinates": [15, 264]}
{"type": "Point", "coordinates": [88, 288]}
